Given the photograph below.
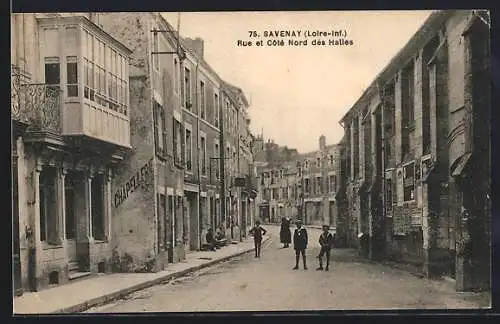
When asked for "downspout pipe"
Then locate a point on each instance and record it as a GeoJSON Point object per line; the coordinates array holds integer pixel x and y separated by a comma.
{"type": "Point", "coordinates": [240, 198]}
{"type": "Point", "coordinates": [199, 162]}
{"type": "Point", "coordinates": [222, 161]}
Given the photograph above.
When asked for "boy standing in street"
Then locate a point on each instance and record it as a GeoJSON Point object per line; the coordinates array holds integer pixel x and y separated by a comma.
{"type": "Point", "coordinates": [326, 242]}
{"type": "Point", "coordinates": [300, 244]}
{"type": "Point", "coordinates": [257, 233]}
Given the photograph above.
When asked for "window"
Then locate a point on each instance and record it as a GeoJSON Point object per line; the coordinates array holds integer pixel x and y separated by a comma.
{"type": "Point", "coordinates": [333, 183]}
{"type": "Point", "coordinates": [160, 129]}
{"type": "Point", "coordinates": [100, 74]}
{"type": "Point", "coordinates": [72, 76]}
{"type": "Point", "coordinates": [408, 95]}
{"type": "Point", "coordinates": [189, 149]}
{"type": "Point", "coordinates": [235, 160]}
{"type": "Point", "coordinates": [281, 174]}
{"type": "Point", "coordinates": [217, 168]}
{"type": "Point", "coordinates": [98, 210]}
{"type": "Point", "coordinates": [235, 121]}
{"type": "Point", "coordinates": [307, 188]}
{"type": "Point", "coordinates": [409, 181]}
{"type": "Point", "coordinates": [429, 50]}
{"type": "Point", "coordinates": [52, 72]}
{"type": "Point", "coordinates": [203, 106]}
{"type": "Point", "coordinates": [187, 87]}
{"type": "Point", "coordinates": [177, 144]}
{"type": "Point", "coordinates": [319, 185]}
{"type": "Point", "coordinates": [105, 75]}
{"type": "Point", "coordinates": [407, 109]}
{"type": "Point", "coordinates": [266, 194]}
{"type": "Point", "coordinates": [388, 195]}
{"type": "Point", "coordinates": [48, 206]}
{"type": "Point", "coordinates": [216, 114]}
{"type": "Point", "coordinates": [331, 159]}
{"type": "Point", "coordinates": [203, 155]}
{"type": "Point", "coordinates": [156, 61]}
{"type": "Point", "coordinates": [318, 162]}
{"type": "Point", "coordinates": [89, 89]}
{"type": "Point", "coordinates": [69, 196]}
{"type": "Point", "coordinates": [276, 193]}
{"type": "Point", "coordinates": [355, 142]}
{"type": "Point", "coordinates": [176, 76]}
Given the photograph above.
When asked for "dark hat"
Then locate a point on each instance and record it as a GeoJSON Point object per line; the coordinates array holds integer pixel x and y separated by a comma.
{"type": "Point", "coordinates": [298, 221]}
{"type": "Point", "coordinates": [326, 226]}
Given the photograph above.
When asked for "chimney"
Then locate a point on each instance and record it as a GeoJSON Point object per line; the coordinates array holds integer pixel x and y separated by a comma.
{"type": "Point", "coordinates": [322, 142]}
{"type": "Point", "coordinates": [197, 44]}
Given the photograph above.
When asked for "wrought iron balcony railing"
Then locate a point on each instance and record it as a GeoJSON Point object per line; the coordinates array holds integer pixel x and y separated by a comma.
{"type": "Point", "coordinates": [36, 104]}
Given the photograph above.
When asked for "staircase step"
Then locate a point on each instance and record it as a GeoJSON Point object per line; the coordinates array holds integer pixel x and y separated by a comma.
{"type": "Point", "coordinates": [78, 275]}
{"type": "Point", "coordinates": [72, 266]}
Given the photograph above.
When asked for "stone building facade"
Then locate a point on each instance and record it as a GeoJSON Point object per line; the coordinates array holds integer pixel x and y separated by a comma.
{"type": "Point", "coordinates": [414, 151]}
{"type": "Point", "coordinates": [189, 113]}
{"type": "Point", "coordinates": [117, 132]}
{"type": "Point", "coordinates": [302, 186]}
{"type": "Point", "coordinates": [318, 173]}
{"type": "Point", "coordinates": [278, 191]}
{"type": "Point", "coordinates": [70, 133]}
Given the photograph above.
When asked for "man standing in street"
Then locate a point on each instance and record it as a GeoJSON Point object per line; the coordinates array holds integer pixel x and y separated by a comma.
{"type": "Point", "coordinates": [300, 244]}
{"type": "Point", "coordinates": [326, 242]}
{"type": "Point", "coordinates": [257, 231]}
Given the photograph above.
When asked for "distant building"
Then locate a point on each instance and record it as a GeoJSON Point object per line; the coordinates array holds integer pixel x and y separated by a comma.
{"type": "Point", "coordinates": [300, 185]}
{"type": "Point", "coordinates": [319, 172]}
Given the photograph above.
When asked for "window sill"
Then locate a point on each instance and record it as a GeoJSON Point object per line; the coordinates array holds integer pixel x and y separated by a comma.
{"type": "Point", "coordinates": [100, 241]}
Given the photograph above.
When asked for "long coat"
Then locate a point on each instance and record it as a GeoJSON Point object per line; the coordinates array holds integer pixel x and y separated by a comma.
{"type": "Point", "coordinates": [285, 233]}
{"type": "Point", "coordinates": [300, 239]}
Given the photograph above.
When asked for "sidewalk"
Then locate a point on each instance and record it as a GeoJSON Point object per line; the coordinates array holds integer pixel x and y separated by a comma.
{"type": "Point", "coordinates": [81, 295]}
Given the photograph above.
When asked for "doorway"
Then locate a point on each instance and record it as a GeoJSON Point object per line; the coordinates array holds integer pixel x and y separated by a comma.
{"type": "Point", "coordinates": [169, 228]}
{"type": "Point", "coordinates": [71, 221]}
{"type": "Point", "coordinates": [16, 251]}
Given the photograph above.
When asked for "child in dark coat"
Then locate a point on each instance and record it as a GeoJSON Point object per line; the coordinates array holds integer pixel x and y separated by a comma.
{"type": "Point", "coordinates": [300, 244]}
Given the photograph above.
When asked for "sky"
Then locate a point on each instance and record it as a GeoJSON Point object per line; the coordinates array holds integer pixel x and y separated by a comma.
{"type": "Point", "coordinates": [298, 93]}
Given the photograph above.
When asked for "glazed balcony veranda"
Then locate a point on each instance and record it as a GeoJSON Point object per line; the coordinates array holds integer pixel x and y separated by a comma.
{"type": "Point", "coordinates": [47, 109]}
{"type": "Point", "coordinates": [36, 105]}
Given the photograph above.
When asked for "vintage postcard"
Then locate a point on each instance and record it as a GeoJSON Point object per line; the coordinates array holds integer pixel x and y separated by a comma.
{"type": "Point", "coordinates": [250, 161]}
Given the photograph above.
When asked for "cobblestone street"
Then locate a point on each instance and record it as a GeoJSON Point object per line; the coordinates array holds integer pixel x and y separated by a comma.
{"type": "Point", "coordinates": [270, 284]}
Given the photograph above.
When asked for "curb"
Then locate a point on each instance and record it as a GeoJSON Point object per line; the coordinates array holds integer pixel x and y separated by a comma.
{"type": "Point", "coordinates": [106, 299]}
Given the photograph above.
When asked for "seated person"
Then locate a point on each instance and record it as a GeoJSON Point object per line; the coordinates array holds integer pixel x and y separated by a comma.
{"type": "Point", "coordinates": [220, 239]}
{"type": "Point", "coordinates": [211, 241]}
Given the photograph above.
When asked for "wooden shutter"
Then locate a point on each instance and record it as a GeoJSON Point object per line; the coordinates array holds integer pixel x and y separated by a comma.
{"type": "Point", "coordinates": [174, 140]}
{"type": "Point", "coordinates": [164, 132]}
{"type": "Point", "coordinates": [182, 142]}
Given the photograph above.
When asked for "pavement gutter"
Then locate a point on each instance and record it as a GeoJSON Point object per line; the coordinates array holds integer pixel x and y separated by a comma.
{"type": "Point", "coordinates": [106, 299]}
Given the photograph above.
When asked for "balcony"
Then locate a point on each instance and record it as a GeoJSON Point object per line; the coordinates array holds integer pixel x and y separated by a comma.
{"type": "Point", "coordinates": [36, 106]}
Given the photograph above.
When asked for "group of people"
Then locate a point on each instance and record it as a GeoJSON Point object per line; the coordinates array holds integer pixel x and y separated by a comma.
{"type": "Point", "coordinates": [300, 241]}
{"type": "Point", "coordinates": [216, 241]}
